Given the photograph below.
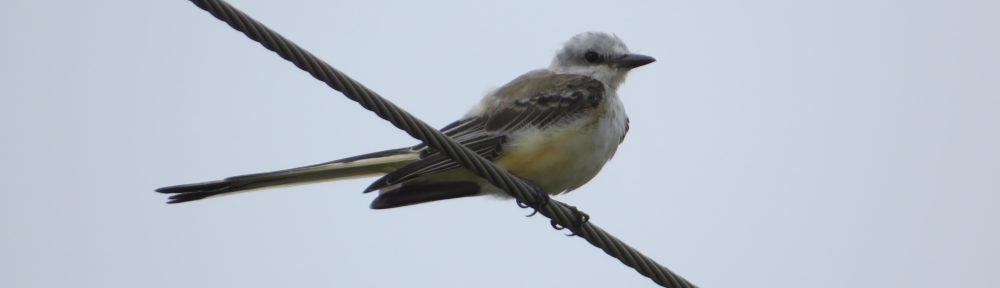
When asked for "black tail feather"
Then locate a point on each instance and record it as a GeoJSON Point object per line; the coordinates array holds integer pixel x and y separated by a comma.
{"type": "Point", "coordinates": [312, 173]}
{"type": "Point", "coordinates": [197, 191]}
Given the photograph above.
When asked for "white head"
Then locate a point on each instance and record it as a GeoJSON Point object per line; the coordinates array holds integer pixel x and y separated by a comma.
{"type": "Point", "coordinates": [601, 56]}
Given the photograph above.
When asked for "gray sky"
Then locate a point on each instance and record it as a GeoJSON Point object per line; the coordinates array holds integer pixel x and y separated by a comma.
{"type": "Point", "coordinates": [774, 144]}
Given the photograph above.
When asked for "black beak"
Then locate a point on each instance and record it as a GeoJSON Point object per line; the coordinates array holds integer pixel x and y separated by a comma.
{"type": "Point", "coordinates": [630, 61]}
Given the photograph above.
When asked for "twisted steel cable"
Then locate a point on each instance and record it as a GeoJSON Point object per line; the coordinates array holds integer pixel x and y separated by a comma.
{"type": "Point", "coordinates": [562, 215]}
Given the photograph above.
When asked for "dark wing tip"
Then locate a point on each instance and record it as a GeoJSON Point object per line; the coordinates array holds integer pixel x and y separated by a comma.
{"type": "Point", "coordinates": [420, 192]}
{"type": "Point", "coordinates": [378, 184]}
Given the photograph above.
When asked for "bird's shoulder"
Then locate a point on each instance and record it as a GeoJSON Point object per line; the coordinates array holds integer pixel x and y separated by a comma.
{"type": "Point", "coordinates": [544, 86]}
{"type": "Point", "coordinates": [542, 98]}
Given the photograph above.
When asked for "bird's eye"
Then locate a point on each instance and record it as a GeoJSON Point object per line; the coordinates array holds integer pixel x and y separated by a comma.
{"type": "Point", "coordinates": [592, 57]}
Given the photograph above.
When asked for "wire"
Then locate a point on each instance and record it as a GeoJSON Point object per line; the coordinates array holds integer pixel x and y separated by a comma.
{"type": "Point", "coordinates": [562, 215]}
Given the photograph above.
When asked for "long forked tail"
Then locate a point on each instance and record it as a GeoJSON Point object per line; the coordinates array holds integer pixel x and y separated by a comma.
{"type": "Point", "coordinates": [358, 166]}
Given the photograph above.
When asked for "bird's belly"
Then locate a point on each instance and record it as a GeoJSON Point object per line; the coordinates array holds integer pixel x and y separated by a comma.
{"type": "Point", "coordinates": [559, 161]}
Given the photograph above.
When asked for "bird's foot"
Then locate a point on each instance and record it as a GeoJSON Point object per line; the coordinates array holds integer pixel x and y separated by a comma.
{"type": "Point", "coordinates": [579, 218]}
{"type": "Point", "coordinates": [541, 199]}
{"type": "Point", "coordinates": [539, 202]}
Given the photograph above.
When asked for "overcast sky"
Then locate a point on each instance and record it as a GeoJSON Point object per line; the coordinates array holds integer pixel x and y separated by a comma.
{"type": "Point", "coordinates": [774, 144]}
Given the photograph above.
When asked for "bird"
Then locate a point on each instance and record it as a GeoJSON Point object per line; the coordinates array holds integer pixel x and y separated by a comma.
{"type": "Point", "coordinates": [554, 127]}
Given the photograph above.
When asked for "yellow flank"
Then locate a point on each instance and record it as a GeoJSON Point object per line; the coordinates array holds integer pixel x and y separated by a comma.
{"type": "Point", "coordinates": [535, 157]}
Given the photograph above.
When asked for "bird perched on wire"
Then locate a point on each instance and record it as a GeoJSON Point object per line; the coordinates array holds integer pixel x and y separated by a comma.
{"type": "Point", "coordinates": [554, 127]}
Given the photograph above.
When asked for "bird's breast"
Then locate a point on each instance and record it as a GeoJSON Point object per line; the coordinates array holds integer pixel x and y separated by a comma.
{"type": "Point", "coordinates": [562, 158]}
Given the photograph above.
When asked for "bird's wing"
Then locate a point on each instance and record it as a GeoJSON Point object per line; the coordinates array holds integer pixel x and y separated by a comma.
{"type": "Point", "coordinates": [538, 100]}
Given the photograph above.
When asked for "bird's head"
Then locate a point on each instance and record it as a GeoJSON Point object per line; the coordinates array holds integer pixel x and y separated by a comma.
{"type": "Point", "coordinates": [601, 56]}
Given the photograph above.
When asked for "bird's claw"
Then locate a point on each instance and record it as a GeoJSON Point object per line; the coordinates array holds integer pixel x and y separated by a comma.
{"type": "Point", "coordinates": [579, 218]}
{"type": "Point", "coordinates": [541, 199]}
{"type": "Point", "coordinates": [540, 202]}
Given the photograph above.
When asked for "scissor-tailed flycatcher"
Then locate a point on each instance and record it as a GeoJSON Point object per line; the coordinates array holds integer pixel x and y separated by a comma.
{"type": "Point", "coordinates": [553, 127]}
